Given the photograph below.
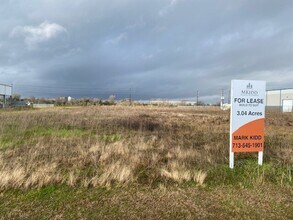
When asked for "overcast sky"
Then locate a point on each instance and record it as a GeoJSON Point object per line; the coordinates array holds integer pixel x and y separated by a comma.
{"type": "Point", "coordinates": [158, 48]}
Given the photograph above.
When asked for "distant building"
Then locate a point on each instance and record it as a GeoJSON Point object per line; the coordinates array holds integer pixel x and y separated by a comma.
{"type": "Point", "coordinates": [43, 105]}
{"type": "Point", "coordinates": [5, 95]}
{"type": "Point", "coordinates": [68, 99]}
{"type": "Point", "coordinates": [22, 103]}
{"type": "Point", "coordinates": [172, 102]}
{"type": "Point", "coordinates": [65, 98]}
{"type": "Point", "coordinates": [280, 100]}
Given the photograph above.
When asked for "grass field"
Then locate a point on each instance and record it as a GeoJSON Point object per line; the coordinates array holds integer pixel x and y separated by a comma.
{"type": "Point", "coordinates": [120, 162]}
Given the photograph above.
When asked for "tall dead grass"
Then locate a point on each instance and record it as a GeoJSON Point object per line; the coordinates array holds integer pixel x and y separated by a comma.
{"type": "Point", "coordinates": [105, 146]}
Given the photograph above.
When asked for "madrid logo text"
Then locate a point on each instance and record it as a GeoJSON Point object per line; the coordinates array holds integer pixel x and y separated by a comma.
{"type": "Point", "coordinates": [249, 90]}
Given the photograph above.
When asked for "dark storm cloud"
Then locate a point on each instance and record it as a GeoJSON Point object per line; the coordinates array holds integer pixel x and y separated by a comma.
{"type": "Point", "coordinates": [159, 48]}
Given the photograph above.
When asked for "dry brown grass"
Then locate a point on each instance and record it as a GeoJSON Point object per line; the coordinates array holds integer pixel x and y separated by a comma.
{"type": "Point", "coordinates": [105, 146]}
{"type": "Point", "coordinates": [179, 173]}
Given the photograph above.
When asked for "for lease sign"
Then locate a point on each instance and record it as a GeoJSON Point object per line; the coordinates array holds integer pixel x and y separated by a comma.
{"type": "Point", "coordinates": [247, 115]}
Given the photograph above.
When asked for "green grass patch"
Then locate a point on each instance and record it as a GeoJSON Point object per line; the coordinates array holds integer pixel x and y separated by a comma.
{"type": "Point", "coordinates": [68, 202]}
{"type": "Point", "coordinates": [248, 174]}
{"type": "Point", "coordinates": [6, 142]}
{"type": "Point", "coordinates": [54, 202]}
{"type": "Point", "coordinates": [45, 131]}
{"type": "Point", "coordinates": [9, 136]}
{"type": "Point", "coordinates": [110, 138]}
{"type": "Point", "coordinates": [13, 136]}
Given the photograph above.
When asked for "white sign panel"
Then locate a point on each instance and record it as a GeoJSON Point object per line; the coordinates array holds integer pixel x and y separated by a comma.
{"type": "Point", "coordinates": [247, 117]}
{"type": "Point", "coordinates": [5, 90]}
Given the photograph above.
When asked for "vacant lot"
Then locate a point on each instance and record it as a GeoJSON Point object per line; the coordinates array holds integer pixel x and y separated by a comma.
{"type": "Point", "coordinates": [139, 162]}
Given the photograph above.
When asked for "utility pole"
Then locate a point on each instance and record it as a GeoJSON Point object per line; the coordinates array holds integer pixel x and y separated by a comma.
{"type": "Point", "coordinates": [130, 98]}
{"type": "Point", "coordinates": [12, 91]}
{"type": "Point", "coordinates": [222, 98]}
{"type": "Point", "coordinates": [197, 95]}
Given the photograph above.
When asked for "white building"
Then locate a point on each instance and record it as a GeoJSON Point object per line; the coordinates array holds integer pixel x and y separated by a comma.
{"type": "Point", "coordinates": [68, 99]}
{"type": "Point", "coordinates": [5, 95]}
{"type": "Point", "coordinates": [172, 102]}
{"type": "Point", "coordinates": [280, 100]}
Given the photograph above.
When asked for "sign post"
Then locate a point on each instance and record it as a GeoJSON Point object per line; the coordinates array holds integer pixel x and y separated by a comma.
{"type": "Point", "coordinates": [247, 118]}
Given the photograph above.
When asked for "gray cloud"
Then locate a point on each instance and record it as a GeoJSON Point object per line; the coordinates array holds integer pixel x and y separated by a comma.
{"type": "Point", "coordinates": [165, 48]}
